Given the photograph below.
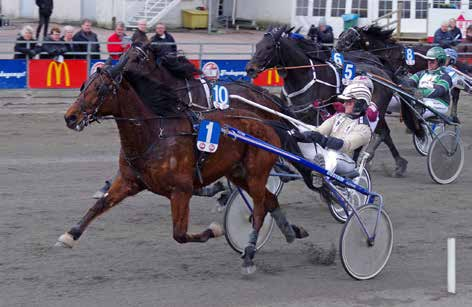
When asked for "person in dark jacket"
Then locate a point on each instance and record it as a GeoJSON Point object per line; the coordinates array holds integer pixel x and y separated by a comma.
{"type": "Point", "coordinates": [162, 36]}
{"type": "Point", "coordinates": [325, 33]}
{"type": "Point", "coordinates": [455, 31]}
{"type": "Point", "coordinates": [27, 50]}
{"type": "Point", "coordinates": [443, 37]}
{"type": "Point", "coordinates": [140, 34]}
{"type": "Point", "coordinates": [68, 34]}
{"type": "Point", "coordinates": [45, 11]}
{"type": "Point", "coordinates": [53, 50]}
{"type": "Point", "coordinates": [86, 35]}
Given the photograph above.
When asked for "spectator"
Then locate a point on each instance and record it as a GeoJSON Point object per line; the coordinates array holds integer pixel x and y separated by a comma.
{"type": "Point", "coordinates": [67, 39]}
{"type": "Point", "coordinates": [86, 35]}
{"type": "Point", "coordinates": [325, 32]}
{"type": "Point", "coordinates": [455, 31]}
{"type": "Point", "coordinates": [118, 37]}
{"type": "Point", "coordinates": [443, 37]}
{"type": "Point", "coordinates": [21, 45]}
{"type": "Point", "coordinates": [140, 33]}
{"type": "Point", "coordinates": [45, 11]}
{"type": "Point", "coordinates": [52, 47]}
{"type": "Point", "coordinates": [162, 36]}
{"type": "Point", "coordinates": [466, 45]}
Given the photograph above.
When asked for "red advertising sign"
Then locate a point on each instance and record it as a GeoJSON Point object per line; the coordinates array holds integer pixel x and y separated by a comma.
{"type": "Point", "coordinates": [269, 77]}
{"type": "Point", "coordinates": [52, 74]}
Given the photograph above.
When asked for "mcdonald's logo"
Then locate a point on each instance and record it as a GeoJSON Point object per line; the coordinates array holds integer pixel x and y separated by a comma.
{"type": "Point", "coordinates": [58, 68]}
{"type": "Point", "coordinates": [275, 79]}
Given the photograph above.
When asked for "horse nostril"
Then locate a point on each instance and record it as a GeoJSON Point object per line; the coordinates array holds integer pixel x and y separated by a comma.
{"type": "Point", "coordinates": [71, 119]}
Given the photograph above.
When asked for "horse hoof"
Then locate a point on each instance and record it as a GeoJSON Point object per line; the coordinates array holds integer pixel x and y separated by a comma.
{"type": "Point", "coordinates": [300, 232]}
{"type": "Point", "coordinates": [216, 229]}
{"type": "Point", "coordinates": [248, 270]}
{"type": "Point", "coordinates": [65, 240]}
{"type": "Point", "coordinates": [401, 168]}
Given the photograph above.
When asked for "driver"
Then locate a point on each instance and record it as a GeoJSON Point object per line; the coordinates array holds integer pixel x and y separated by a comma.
{"type": "Point", "coordinates": [433, 85]}
{"type": "Point", "coordinates": [339, 136]}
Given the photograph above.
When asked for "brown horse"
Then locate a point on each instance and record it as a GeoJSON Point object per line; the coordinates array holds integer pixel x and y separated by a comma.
{"type": "Point", "coordinates": [158, 154]}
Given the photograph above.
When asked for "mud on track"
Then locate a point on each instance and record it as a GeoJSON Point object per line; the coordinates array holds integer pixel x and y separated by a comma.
{"type": "Point", "coordinates": [128, 257]}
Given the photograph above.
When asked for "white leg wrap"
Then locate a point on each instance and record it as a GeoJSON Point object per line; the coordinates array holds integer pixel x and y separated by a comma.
{"type": "Point", "coordinates": [66, 240]}
{"type": "Point", "coordinates": [217, 229]}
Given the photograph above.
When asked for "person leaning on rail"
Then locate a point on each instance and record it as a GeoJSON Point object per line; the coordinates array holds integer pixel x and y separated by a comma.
{"type": "Point", "coordinates": [25, 36]}
{"type": "Point", "coordinates": [86, 35]}
{"type": "Point", "coordinates": [139, 34]}
{"type": "Point", "coordinates": [53, 47]}
{"type": "Point", "coordinates": [67, 36]}
{"type": "Point", "coordinates": [119, 36]}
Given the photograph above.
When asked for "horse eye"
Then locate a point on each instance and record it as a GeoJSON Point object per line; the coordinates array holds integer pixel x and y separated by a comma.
{"type": "Point", "coordinates": [269, 47]}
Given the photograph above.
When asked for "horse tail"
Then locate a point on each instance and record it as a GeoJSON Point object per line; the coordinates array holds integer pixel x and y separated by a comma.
{"type": "Point", "coordinates": [288, 143]}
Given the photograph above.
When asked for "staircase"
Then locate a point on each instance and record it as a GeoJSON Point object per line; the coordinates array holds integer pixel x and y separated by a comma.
{"type": "Point", "coordinates": [151, 10]}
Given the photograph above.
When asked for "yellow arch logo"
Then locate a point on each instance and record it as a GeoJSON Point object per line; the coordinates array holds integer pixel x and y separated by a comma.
{"type": "Point", "coordinates": [57, 67]}
{"type": "Point", "coordinates": [276, 76]}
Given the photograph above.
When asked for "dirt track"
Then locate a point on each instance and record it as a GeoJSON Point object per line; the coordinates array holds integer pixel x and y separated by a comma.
{"type": "Point", "coordinates": [128, 257]}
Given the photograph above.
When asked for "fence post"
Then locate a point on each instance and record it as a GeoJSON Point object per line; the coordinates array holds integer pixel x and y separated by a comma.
{"type": "Point", "coordinates": [200, 51]}
{"type": "Point", "coordinates": [88, 51]}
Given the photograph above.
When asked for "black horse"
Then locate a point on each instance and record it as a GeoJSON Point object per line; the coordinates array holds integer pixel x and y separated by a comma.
{"type": "Point", "coordinates": [305, 85]}
{"type": "Point", "coordinates": [381, 43]}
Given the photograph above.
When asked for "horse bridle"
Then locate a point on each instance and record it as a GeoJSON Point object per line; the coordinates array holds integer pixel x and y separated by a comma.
{"type": "Point", "coordinates": [352, 41]}
{"type": "Point", "coordinates": [103, 90]}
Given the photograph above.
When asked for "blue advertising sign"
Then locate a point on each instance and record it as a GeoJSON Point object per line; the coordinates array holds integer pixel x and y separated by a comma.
{"type": "Point", "coordinates": [12, 74]}
{"type": "Point", "coordinates": [225, 70]}
{"type": "Point", "coordinates": [98, 63]}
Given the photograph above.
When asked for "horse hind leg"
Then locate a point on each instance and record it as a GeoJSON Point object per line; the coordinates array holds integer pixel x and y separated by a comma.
{"type": "Point", "coordinates": [119, 190]}
{"type": "Point", "coordinates": [180, 217]}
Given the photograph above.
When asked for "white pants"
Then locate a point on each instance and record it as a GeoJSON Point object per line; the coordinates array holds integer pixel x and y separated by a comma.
{"type": "Point", "coordinates": [335, 161]}
{"type": "Point", "coordinates": [434, 104]}
{"type": "Point", "coordinates": [394, 105]}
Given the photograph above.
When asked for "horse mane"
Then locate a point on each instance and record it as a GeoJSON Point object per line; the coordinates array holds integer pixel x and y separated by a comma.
{"type": "Point", "coordinates": [179, 66]}
{"type": "Point", "coordinates": [312, 49]}
{"type": "Point", "coordinates": [158, 97]}
{"type": "Point", "coordinates": [379, 33]}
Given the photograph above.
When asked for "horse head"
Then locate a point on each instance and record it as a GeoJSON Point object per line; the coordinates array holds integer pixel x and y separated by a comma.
{"type": "Point", "coordinates": [96, 96]}
{"type": "Point", "coordinates": [267, 49]}
{"type": "Point", "coordinates": [349, 40]}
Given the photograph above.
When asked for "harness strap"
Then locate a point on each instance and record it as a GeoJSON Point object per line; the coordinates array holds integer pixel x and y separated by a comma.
{"type": "Point", "coordinates": [206, 88]}
{"type": "Point", "coordinates": [310, 84]}
{"type": "Point", "coordinates": [189, 92]}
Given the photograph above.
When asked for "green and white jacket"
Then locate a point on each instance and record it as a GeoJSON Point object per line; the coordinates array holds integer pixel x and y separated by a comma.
{"type": "Point", "coordinates": [433, 84]}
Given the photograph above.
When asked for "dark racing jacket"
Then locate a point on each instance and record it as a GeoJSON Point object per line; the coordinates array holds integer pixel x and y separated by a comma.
{"type": "Point", "coordinates": [433, 84]}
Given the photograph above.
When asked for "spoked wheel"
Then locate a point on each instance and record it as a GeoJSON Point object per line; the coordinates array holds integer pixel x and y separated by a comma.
{"type": "Point", "coordinates": [422, 145]}
{"type": "Point", "coordinates": [239, 214]}
{"type": "Point", "coordinates": [361, 259]}
{"type": "Point", "coordinates": [445, 158]}
{"type": "Point", "coordinates": [356, 199]}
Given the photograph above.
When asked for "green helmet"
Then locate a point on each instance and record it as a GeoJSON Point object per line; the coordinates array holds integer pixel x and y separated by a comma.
{"type": "Point", "coordinates": [437, 53]}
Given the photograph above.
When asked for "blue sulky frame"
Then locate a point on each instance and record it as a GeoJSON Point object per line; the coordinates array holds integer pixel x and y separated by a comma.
{"type": "Point", "coordinates": [329, 177]}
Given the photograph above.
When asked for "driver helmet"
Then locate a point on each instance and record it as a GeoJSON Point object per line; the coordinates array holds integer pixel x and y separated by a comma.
{"type": "Point", "coordinates": [363, 80]}
{"type": "Point", "coordinates": [362, 95]}
{"type": "Point", "coordinates": [437, 53]}
{"type": "Point", "coordinates": [451, 54]}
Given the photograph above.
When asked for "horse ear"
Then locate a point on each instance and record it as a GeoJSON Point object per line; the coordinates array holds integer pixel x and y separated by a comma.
{"type": "Point", "coordinates": [279, 32]}
{"type": "Point", "coordinates": [109, 61]}
{"type": "Point", "coordinates": [270, 28]}
{"type": "Point", "coordinates": [299, 29]}
{"type": "Point", "coordinates": [388, 33]}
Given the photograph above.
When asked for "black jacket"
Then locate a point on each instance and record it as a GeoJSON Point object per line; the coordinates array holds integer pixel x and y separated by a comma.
{"type": "Point", "coordinates": [52, 49]}
{"type": "Point", "coordinates": [326, 36]}
{"type": "Point", "coordinates": [139, 36]}
{"type": "Point", "coordinates": [22, 46]}
{"type": "Point", "coordinates": [161, 50]}
{"type": "Point", "coordinates": [81, 36]}
{"type": "Point", "coordinates": [45, 7]}
{"type": "Point", "coordinates": [70, 48]}
{"type": "Point", "coordinates": [456, 33]}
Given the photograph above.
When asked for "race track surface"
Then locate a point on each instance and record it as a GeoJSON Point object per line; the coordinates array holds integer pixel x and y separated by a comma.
{"type": "Point", "coordinates": [127, 257]}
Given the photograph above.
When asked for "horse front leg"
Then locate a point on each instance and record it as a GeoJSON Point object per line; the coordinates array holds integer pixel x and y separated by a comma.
{"type": "Point", "coordinates": [119, 190]}
{"type": "Point", "coordinates": [455, 93]}
{"type": "Point", "coordinates": [179, 201]}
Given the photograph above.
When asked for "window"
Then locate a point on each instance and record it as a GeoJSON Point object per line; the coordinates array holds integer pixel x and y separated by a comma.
{"type": "Point", "coordinates": [338, 8]}
{"type": "Point", "coordinates": [302, 8]}
{"type": "Point", "coordinates": [359, 7]}
{"type": "Point", "coordinates": [406, 8]}
{"type": "Point", "coordinates": [385, 7]}
{"type": "Point", "coordinates": [451, 4]}
{"type": "Point", "coordinates": [421, 9]}
{"type": "Point", "coordinates": [456, 4]}
{"type": "Point", "coordinates": [319, 7]}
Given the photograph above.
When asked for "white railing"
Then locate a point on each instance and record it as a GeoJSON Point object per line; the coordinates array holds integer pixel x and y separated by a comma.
{"type": "Point", "coordinates": [165, 5]}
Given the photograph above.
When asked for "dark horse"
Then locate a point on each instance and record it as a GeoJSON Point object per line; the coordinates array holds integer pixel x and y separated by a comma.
{"type": "Point", "coordinates": [305, 85]}
{"type": "Point", "coordinates": [380, 42]}
{"type": "Point", "coordinates": [158, 154]}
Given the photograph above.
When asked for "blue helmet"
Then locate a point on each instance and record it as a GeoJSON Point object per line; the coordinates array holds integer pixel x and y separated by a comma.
{"type": "Point", "coordinates": [452, 55]}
